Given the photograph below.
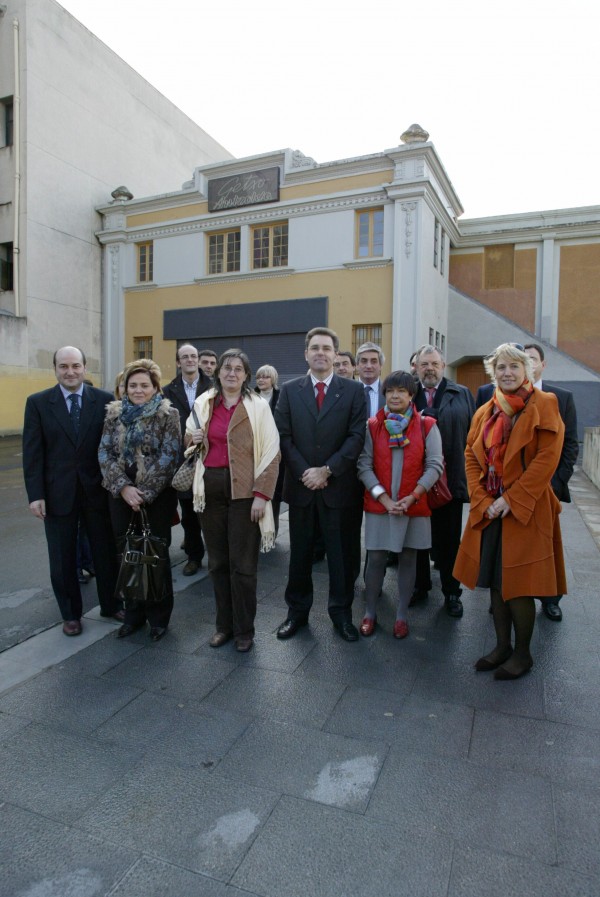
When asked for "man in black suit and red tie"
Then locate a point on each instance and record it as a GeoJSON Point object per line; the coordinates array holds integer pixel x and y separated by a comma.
{"type": "Point", "coordinates": [322, 422]}
{"type": "Point", "coordinates": [61, 434]}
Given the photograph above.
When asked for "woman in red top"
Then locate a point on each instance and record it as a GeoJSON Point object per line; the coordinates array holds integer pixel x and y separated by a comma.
{"type": "Point", "coordinates": [401, 461]}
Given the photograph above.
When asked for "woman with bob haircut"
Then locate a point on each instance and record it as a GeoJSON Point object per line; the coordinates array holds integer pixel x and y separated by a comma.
{"type": "Point", "coordinates": [233, 484]}
{"type": "Point", "coordinates": [401, 460]}
{"type": "Point", "coordinates": [512, 542]}
{"type": "Point", "coordinates": [138, 454]}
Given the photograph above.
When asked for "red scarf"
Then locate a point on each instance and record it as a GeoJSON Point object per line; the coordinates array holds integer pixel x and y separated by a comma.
{"type": "Point", "coordinates": [497, 430]}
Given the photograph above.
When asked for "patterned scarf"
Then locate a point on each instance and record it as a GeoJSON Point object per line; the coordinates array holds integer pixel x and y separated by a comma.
{"type": "Point", "coordinates": [396, 424]}
{"type": "Point", "coordinates": [497, 430]}
{"type": "Point", "coordinates": [131, 417]}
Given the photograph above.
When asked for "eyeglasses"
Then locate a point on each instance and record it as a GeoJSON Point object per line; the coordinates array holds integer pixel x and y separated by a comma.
{"type": "Point", "coordinates": [230, 370]}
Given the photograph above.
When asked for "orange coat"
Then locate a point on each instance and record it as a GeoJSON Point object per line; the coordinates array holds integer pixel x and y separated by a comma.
{"type": "Point", "coordinates": [532, 556]}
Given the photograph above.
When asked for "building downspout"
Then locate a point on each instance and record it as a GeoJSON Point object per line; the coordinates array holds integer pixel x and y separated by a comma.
{"type": "Point", "coordinates": [17, 155]}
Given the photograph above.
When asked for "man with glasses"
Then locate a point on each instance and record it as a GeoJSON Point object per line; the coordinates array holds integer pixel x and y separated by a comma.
{"type": "Point", "coordinates": [182, 392]}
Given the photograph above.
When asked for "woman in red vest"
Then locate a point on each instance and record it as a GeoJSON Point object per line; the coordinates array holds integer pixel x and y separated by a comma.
{"type": "Point", "coordinates": [401, 461]}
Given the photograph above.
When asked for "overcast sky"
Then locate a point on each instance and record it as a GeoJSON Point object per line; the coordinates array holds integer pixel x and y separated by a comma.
{"type": "Point", "coordinates": [508, 92]}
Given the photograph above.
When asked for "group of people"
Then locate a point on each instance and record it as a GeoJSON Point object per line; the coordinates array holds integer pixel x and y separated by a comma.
{"type": "Point", "coordinates": [335, 449]}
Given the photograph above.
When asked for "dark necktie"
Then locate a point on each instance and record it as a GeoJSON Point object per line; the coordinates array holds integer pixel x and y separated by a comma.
{"type": "Point", "coordinates": [75, 412]}
{"type": "Point", "coordinates": [369, 392]}
{"type": "Point", "coordinates": [320, 393]}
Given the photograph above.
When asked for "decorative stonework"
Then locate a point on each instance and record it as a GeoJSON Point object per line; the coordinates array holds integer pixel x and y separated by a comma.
{"type": "Point", "coordinates": [419, 168]}
{"type": "Point", "coordinates": [408, 208]}
{"type": "Point", "coordinates": [415, 134]}
{"type": "Point", "coordinates": [299, 160]}
{"type": "Point", "coordinates": [114, 257]}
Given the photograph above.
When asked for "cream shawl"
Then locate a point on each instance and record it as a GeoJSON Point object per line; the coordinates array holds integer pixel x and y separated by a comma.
{"type": "Point", "coordinates": [265, 445]}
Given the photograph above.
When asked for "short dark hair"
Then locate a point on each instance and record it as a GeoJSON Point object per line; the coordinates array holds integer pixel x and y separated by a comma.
{"type": "Point", "coordinates": [350, 356]}
{"type": "Point", "coordinates": [81, 352]}
{"type": "Point", "coordinates": [400, 380]}
{"type": "Point", "coordinates": [537, 348]}
{"type": "Point", "coordinates": [207, 352]}
{"type": "Point", "coordinates": [323, 331]}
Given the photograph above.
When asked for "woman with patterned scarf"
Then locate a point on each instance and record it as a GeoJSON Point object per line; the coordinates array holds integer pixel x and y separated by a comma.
{"type": "Point", "coordinates": [138, 454]}
{"type": "Point", "coordinates": [401, 461]}
{"type": "Point", "coordinates": [512, 543]}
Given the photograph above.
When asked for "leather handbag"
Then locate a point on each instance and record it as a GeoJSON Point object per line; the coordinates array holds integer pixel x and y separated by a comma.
{"type": "Point", "coordinates": [184, 475]}
{"type": "Point", "coordinates": [144, 562]}
{"type": "Point", "coordinates": [439, 494]}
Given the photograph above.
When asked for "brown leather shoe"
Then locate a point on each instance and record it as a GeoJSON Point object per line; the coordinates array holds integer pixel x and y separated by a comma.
{"type": "Point", "coordinates": [243, 644]}
{"type": "Point", "coordinates": [219, 639]}
{"type": "Point", "coordinates": [191, 568]}
{"type": "Point", "coordinates": [72, 627]}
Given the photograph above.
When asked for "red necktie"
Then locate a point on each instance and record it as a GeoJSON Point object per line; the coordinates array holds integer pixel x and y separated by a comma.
{"type": "Point", "coordinates": [320, 393]}
{"type": "Point", "coordinates": [430, 397]}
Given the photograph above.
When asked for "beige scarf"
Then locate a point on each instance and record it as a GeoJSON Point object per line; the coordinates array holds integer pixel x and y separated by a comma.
{"type": "Point", "coordinates": [265, 445]}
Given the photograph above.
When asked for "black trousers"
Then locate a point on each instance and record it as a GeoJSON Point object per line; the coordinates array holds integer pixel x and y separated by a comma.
{"type": "Point", "coordinates": [232, 543]}
{"type": "Point", "coordinates": [61, 535]}
{"type": "Point", "coordinates": [160, 516]}
{"type": "Point", "coordinates": [194, 546]}
{"type": "Point", "coordinates": [446, 530]}
{"type": "Point", "coordinates": [335, 526]}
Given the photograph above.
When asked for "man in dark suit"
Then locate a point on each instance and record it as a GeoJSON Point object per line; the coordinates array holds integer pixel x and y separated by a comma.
{"type": "Point", "coordinates": [322, 421]}
{"type": "Point", "coordinates": [453, 407]}
{"type": "Point", "coordinates": [61, 434]}
{"type": "Point", "coordinates": [182, 392]}
{"type": "Point", "coordinates": [570, 450]}
{"type": "Point", "coordinates": [369, 362]}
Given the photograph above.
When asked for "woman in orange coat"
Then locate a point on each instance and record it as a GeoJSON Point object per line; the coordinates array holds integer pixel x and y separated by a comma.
{"type": "Point", "coordinates": [512, 543]}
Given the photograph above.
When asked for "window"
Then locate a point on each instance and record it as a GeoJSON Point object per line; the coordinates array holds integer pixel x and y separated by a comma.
{"type": "Point", "coordinates": [6, 266]}
{"type": "Point", "coordinates": [443, 251]}
{"type": "Point", "coordinates": [6, 122]}
{"type": "Point", "coordinates": [436, 231]}
{"type": "Point", "coordinates": [270, 246]}
{"type": "Point", "coordinates": [142, 347]}
{"type": "Point", "coordinates": [145, 264]}
{"type": "Point", "coordinates": [369, 233]}
{"type": "Point", "coordinates": [499, 267]}
{"type": "Point", "coordinates": [224, 252]}
{"type": "Point", "coordinates": [366, 333]}
{"type": "Point", "coordinates": [431, 336]}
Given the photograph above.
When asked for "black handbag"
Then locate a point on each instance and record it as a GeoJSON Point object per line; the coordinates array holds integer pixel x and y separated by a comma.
{"type": "Point", "coordinates": [144, 562]}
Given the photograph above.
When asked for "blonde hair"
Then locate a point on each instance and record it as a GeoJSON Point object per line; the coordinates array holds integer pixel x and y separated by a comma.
{"type": "Point", "coordinates": [509, 350]}
{"type": "Point", "coordinates": [143, 366]}
{"type": "Point", "coordinates": [119, 382]}
{"type": "Point", "coordinates": [267, 370]}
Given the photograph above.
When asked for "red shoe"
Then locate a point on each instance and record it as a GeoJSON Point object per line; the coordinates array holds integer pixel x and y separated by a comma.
{"type": "Point", "coordinates": [400, 629]}
{"type": "Point", "coordinates": [367, 627]}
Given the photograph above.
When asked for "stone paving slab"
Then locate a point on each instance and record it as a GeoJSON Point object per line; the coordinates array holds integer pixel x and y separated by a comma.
{"type": "Point", "coordinates": [467, 802]}
{"type": "Point", "coordinates": [153, 878]}
{"type": "Point", "coordinates": [578, 829]}
{"type": "Point", "coordinates": [182, 816]}
{"type": "Point", "coordinates": [307, 850]}
{"type": "Point", "coordinates": [306, 763]}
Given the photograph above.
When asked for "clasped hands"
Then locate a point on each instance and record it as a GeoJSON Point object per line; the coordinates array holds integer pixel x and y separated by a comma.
{"type": "Point", "coordinates": [396, 508]}
{"type": "Point", "coordinates": [498, 508]}
{"type": "Point", "coordinates": [315, 478]}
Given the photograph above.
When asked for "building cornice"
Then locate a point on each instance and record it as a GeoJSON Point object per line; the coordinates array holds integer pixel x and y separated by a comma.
{"type": "Point", "coordinates": [532, 227]}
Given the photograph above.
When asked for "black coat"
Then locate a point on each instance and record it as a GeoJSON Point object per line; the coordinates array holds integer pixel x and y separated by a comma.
{"type": "Point", "coordinates": [570, 449]}
{"type": "Point", "coordinates": [453, 408]}
{"type": "Point", "coordinates": [333, 436]}
{"type": "Point", "coordinates": [55, 460]}
{"type": "Point", "coordinates": [176, 394]}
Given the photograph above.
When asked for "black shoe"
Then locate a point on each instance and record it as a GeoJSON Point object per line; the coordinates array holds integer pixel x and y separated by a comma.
{"type": "Point", "coordinates": [552, 611]}
{"type": "Point", "coordinates": [191, 568]}
{"type": "Point", "coordinates": [290, 627]}
{"type": "Point", "coordinates": [418, 595]}
{"type": "Point", "coordinates": [318, 556]}
{"type": "Point", "coordinates": [454, 606]}
{"type": "Point", "coordinates": [83, 577]}
{"type": "Point", "coordinates": [348, 631]}
{"type": "Point", "coordinates": [126, 629]}
{"type": "Point", "coordinates": [158, 632]}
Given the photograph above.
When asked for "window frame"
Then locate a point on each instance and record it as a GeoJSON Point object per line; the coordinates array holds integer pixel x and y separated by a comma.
{"type": "Point", "coordinates": [224, 256]}
{"type": "Point", "coordinates": [269, 245]}
{"type": "Point", "coordinates": [145, 267]}
{"type": "Point", "coordinates": [369, 214]}
{"type": "Point", "coordinates": [366, 333]}
{"type": "Point", "coordinates": [142, 347]}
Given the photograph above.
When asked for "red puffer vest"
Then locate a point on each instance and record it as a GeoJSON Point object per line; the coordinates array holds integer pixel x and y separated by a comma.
{"type": "Point", "coordinates": [412, 467]}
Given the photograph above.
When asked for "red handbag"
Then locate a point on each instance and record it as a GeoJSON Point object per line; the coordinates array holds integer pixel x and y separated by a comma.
{"type": "Point", "coordinates": [439, 494]}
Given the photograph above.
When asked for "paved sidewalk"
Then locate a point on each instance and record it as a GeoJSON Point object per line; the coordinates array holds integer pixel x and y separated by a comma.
{"type": "Point", "coordinates": [309, 768]}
